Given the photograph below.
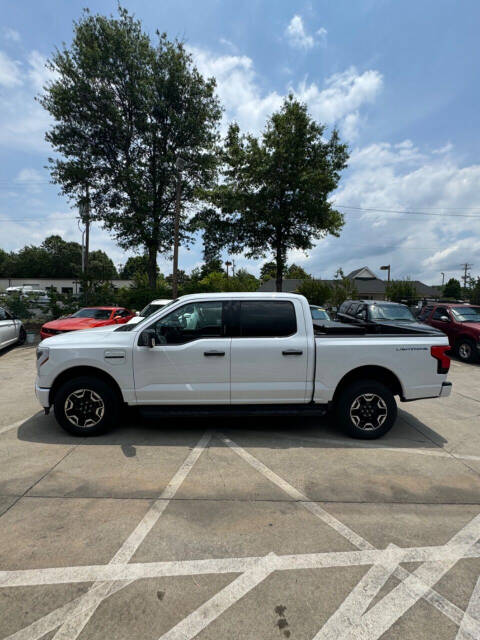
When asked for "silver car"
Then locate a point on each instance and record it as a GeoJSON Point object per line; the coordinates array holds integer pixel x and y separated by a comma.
{"type": "Point", "coordinates": [11, 329]}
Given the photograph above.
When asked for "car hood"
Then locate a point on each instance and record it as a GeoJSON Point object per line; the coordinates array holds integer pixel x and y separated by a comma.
{"type": "Point", "coordinates": [473, 326]}
{"type": "Point", "coordinates": [75, 324]}
{"type": "Point", "coordinates": [135, 320]}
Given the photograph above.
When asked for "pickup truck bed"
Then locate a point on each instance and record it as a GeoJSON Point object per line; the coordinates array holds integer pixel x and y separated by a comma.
{"type": "Point", "coordinates": [238, 353]}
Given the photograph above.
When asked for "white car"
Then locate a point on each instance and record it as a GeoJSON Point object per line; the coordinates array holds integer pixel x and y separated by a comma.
{"type": "Point", "coordinates": [11, 329]}
{"type": "Point", "coordinates": [154, 305]}
{"type": "Point", "coordinates": [238, 354]}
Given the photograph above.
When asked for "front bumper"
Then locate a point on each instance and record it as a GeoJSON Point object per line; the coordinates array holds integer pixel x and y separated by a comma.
{"type": "Point", "coordinates": [446, 389]}
{"type": "Point", "coordinates": [43, 396]}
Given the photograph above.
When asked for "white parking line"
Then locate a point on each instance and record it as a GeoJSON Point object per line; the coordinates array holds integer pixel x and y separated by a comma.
{"type": "Point", "coordinates": [356, 603]}
{"type": "Point", "coordinates": [8, 427]}
{"type": "Point", "coordinates": [142, 570]}
{"type": "Point", "coordinates": [433, 597]}
{"type": "Point", "coordinates": [88, 603]}
{"type": "Point", "coordinates": [473, 610]}
{"type": "Point", "coordinates": [191, 626]}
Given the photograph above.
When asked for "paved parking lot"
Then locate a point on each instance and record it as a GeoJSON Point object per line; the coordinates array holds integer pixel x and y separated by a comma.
{"type": "Point", "coordinates": [255, 529]}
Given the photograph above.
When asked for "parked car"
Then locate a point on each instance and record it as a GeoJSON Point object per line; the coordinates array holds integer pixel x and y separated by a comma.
{"type": "Point", "coordinates": [379, 316]}
{"type": "Point", "coordinates": [319, 313]}
{"type": "Point", "coordinates": [151, 307]}
{"type": "Point", "coordinates": [237, 354]}
{"type": "Point", "coordinates": [86, 318]}
{"type": "Point", "coordinates": [461, 323]}
{"type": "Point", "coordinates": [11, 329]}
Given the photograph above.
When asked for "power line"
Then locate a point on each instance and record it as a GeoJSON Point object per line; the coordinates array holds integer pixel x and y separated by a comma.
{"type": "Point", "coordinates": [414, 213]}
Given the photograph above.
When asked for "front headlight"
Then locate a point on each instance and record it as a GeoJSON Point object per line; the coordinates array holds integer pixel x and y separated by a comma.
{"type": "Point", "coordinates": [43, 353]}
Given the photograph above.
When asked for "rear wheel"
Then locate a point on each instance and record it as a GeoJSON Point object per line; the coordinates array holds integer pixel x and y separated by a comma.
{"type": "Point", "coordinates": [86, 406]}
{"type": "Point", "coordinates": [466, 350]}
{"type": "Point", "coordinates": [366, 409]}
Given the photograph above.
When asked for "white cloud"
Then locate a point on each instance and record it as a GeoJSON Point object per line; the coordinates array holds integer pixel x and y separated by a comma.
{"type": "Point", "coordinates": [10, 73]}
{"type": "Point", "coordinates": [239, 88]}
{"type": "Point", "coordinates": [402, 178]}
{"type": "Point", "coordinates": [298, 37]}
{"type": "Point", "coordinates": [11, 34]}
{"type": "Point", "coordinates": [38, 73]}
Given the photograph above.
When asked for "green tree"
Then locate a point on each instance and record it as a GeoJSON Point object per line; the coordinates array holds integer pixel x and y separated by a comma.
{"type": "Point", "coordinates": [294, 271]}
{"type": "Point", "coordinates": [475, 291]}
{"type": "Point", "coordinates": [268, 271]}
{"type": "Point", "coordinates": [133, 265]}
{"type": "Point", "coordinates": [100, 266]}
{"type": "Point", "coordinates": [274, 195]}
{"type": "Point", "coordinates": [453, 289]}
{"type": "Point", "coordinates": [63, 259]}
{"type": "Point", "coordinates": [315, 291]}
{"type": "Point", "coordinates": [342, 288]}
{"type": "Point", "coordinates": [401, 290]}
{"type": "Point", "coordinates": [124, 110]}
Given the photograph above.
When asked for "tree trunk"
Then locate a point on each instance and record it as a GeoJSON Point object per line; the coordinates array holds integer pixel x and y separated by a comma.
{"type": "Point", "coordinates": [279, 259]}
{"type": "Point", "coordinates": [152, 267]}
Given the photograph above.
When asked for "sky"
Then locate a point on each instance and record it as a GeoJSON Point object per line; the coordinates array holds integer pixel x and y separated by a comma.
{"type": "Point", "coordinates": [398, 79]}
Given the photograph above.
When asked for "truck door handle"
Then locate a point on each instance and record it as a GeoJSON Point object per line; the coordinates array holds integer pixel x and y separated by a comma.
{"type": "Point", "coordinates": [213, 353]}
{"type": "Point", "coordinates": [292, 352]}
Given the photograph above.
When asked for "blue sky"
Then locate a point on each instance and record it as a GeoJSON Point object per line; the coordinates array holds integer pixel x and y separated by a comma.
{"type": "Point", "coordinates": [399, 79]}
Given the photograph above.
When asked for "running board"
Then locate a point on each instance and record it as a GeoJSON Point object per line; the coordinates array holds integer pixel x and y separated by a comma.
{"type": "Point", "coordinates": [310, 409]}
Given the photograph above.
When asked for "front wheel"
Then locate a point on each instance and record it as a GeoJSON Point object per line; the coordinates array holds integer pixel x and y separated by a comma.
{"type": "Point", "coordinates": [22, 336]}
{"type": "Point", "coordinates": [466, 350]}
{"type": "Point", "coordinates": [86, 406]}
{"type": "Point", "coordinates": [366, 409]}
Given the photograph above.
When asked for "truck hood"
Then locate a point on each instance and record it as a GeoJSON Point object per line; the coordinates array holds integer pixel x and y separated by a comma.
{"type": "Point", "coordinates": [473, 326]}
{"type": "Point", "coordinates": [90, 337]}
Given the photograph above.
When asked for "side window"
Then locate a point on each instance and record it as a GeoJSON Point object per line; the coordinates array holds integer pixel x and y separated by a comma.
{"type": "Point", "coordinates": [343, 307]}
{"type": "Point", "coordinates": [267, 319]}
{"type": "Point", "coordinates": [3, 314]}
{"type": "Point", "coordinates": [190, 322]}
{"type": "Point", "coordinates": [352, 308]}
{"type": "Point", "coordinates": [123, 313]}
{"type": "Point", "coordinates": [361, 313]}
{"type": "Point", "coordinates": [439, 312]}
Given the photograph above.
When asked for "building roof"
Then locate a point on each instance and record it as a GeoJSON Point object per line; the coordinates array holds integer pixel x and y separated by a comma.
{"type": "Point", "coordinates": [289, 285]}
{"type": "Point", "coordinates": [363, 272]}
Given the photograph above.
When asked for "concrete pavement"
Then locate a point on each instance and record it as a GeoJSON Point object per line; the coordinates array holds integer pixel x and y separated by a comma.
{"type": "Point", "coordinates": [279, 528]}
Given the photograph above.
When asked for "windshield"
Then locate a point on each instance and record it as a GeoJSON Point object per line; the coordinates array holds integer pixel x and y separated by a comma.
{"type": "Point", "coordinates": [96, 314]}
{"type": "Point", "coordinates": [466, 314]}
{"type": "Point", "coordinates": [390, 312]}
{"type": "Point", "coordinates": [151, 308]}
{"type": "Point", "coordinates": [142, 321]}
{"type": "Point", "coordinates": [319, 314]}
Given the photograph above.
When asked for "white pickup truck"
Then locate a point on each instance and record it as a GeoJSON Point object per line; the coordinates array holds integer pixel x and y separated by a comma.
{"type": "Point", "coordinates": [237, 353]}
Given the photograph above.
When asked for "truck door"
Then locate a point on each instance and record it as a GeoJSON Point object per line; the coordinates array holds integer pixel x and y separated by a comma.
{"type": "Point", "coordinates": [190, 362]}
{"type": "Point", "coordinates": [269, 352]}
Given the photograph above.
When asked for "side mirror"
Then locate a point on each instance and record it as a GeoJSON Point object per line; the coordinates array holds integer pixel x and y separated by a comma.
{"type": "Point", "coordinates": [147, 338]}
{"type": "Point", "coordinates": [444, 318]}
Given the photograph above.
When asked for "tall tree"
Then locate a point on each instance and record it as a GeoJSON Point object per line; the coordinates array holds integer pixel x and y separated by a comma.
{"type": "Point", "coordinates": [274, 196]}
{"type": "Point", "coordinates": [453, 289]}
{"type": "Point", "coordinates": [124, 110]}
{"type": "Point", "coordinates": [401, 290]}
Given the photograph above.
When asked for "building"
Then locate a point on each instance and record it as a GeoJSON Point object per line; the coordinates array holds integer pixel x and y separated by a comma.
{"type": "Point", "coordinates": [368, 286]}
{"type": "Point", "coordinates": [60, 285]}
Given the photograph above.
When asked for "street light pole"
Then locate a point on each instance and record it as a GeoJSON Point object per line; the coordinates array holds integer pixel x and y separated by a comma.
{"type": "Point", "coordinates": [386, 267]}
{"type": "Point", "coordinates": [179, 164]}
{"type": "Point", "coordinates": [228, 264]}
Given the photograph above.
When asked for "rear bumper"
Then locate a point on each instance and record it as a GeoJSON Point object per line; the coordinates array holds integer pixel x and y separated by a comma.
{"type": "Point", "coordinates": [446, 389]}
{"type": "Point", "coordinates": [43, 395]}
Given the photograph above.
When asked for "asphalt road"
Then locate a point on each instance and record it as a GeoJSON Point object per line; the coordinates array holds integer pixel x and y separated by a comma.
{"type": "Point", "coordinates": [251, 530]}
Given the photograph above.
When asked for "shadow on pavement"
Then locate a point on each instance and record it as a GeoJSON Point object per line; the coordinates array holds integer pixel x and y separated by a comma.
{"type": "Point", "coordinates": [277, 432]}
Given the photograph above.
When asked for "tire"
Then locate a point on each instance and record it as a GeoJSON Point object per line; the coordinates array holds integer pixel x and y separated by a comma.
{"type": "Point", "coordinates": [86, 406]}
{"type": "Point", "coordinates": [366, 409]}
{"type": "Point", "coordinates": [466, 350]}
{"type": "Point", "coordinates": [22, 336]}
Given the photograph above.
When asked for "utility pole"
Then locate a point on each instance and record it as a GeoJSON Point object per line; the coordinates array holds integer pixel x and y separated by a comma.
{"type": "Point", "coordinates": [466, 268]}
{"type": "Point", "coordinates": [443, 278]}
{"type": "Point", "coordinates": [179, 164]}
{"type": "Point", "coordinates": [85, 217]}
{"type": "Point", "coordinates": [228, 264]}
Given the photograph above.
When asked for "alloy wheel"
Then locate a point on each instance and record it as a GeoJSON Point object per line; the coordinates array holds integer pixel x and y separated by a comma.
{"type": "Point", "coordinates": [84, 408]}
{"type": "Point", "coordinates": [368, 411]}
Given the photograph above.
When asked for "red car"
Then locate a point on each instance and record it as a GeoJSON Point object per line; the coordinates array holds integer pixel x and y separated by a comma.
{"type": "Point", "coordinates": [86, 318]}
{"type": "Point", "coordinates": [461, 323]}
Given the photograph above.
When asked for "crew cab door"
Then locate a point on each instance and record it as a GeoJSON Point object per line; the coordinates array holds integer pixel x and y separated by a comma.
{"type": "Point", "coordinates": [190, 362]}
{"type": "Point", "coordinates": [269, 352]}
{"type": "Point", "coordinates": [447, 326]}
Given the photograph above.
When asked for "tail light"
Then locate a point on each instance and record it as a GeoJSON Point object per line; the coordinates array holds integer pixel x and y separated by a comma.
{"type": "Point", "coordinates": [440, 355]}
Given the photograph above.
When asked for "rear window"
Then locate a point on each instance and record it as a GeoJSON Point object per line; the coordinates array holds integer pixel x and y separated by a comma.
{"type": "Point", "coordinates": [425, 312]}
{"type": "Point", "coordinates": [267, 319]}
